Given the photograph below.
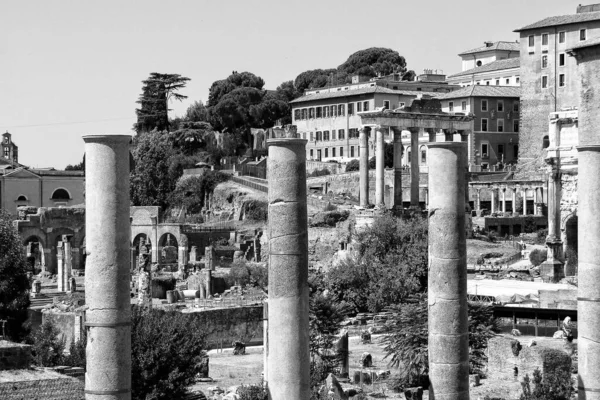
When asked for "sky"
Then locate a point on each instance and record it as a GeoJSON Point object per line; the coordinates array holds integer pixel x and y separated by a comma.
{"type": "Point", "coordinates": [71, 68]}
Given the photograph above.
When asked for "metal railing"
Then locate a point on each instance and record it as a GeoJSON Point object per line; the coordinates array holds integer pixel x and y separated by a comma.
{"type": "Point", "coordinates": [250, 184]}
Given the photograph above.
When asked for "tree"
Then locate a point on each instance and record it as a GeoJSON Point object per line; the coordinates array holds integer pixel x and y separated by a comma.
{"type": "Point", "coordinates": [157, 91]}
{"type": "Point", "coordinates": [14, 284]}
{"type": "Point", "coordinates": [191, 136]}
{"type": "Point", "coordinates": [190, 191]}
{"type": "Point", "coordinates": [353, 165]}
{"type": "Point", "coordinates": [151, 180]}
{"type": "Point", "coordinates": [197, 112]}
{"type": "Point", "coordinates": [315, 78]}
{"type": "Point", "coordinates": [236, 80]}
{"type": "Point", "coordinates": [372, 62]}
{"type": "Point", "coordinates": [388, 157]}
{"type": "Point", "coordinates": [48, 345]}
{"type": "Point", "coordinates": [166, 351]}
{"type": "Point", "coordinates": [538, 256]}
{"type": "Point", "coordinates": [552, 386]}
{"type": "Point", "coordinates": [76, 167]}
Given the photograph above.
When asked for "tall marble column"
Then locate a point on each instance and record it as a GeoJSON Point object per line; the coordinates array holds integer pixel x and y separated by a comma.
{"type": "Point", "coordinates": [447, 287]}
{"type": "Point", "coordinates": [397, 168]}
{"type": "Point", "coordinates": [503, 190]}
{"type": "Point", "coordinates": [478, 200]}
{"type": "Point", "coordinates": [289, 360]}
{"type": "Point", "coordinates": [379, 167]}
{"type": "Point", "coordinates": [514, 200]}
{"type": "Point", "coordinates": [154, 240]}
{"type": "Point", "coordinates": [414, 168]}
{"type": "Point", "coordinates": [363, 142]}
{"type": "Point", "coordinates": [524, 195]}
{"type": "Point", "coordinates": [493, 196]}
{"type": "Point", "coordinates": [107, 277]}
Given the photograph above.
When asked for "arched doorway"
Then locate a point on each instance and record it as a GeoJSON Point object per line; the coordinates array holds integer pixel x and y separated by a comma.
{"type": "Point", "coordinates": [168, 249]}
{"type": "Point", "coordinates": [136, 247]}
{"type": "Point", "coordinates": [570, 246]}
{"type": "Point", "coordinates": [34, 253]}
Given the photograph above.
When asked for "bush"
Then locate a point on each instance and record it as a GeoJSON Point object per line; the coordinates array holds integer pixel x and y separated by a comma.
{"type": "Point", "coordinates": [256, 210]}
{"type": "Point", "coordinates": [320, 172]}
{"type": "Point", "coordinates": [329, 218]}
{"type": "Point", "coordinates": [48, 345]}
{"type": "Point", "coordinates": [253, 392]}
{"type": "Point", "coordinates": [353, 165]}
{"type": "Point", "coordinates": [538, 256]}
{"type": "Point", "coordinates": [554, 386]}
{"type": "Point", "coordinates": [248, 274]}
{"type": "Point", "coordinates": [165, 353]}
{"type": "Point", "coordinates": [541, 236]}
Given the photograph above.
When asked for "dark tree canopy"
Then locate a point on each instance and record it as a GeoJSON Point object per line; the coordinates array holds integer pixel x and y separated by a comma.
{"type": "Point", "coordinates": [76, 167]}
{"type": "Point", "coordinates": [236, 80]}
{"type": "Point", "coordinates": [375, 61]}
{"type": "Point", "coordinates": [314, 78]}
{"type": "Point", "coordinates": [157, 91]}
{"type": "Point", "coordinates": [197, 112]}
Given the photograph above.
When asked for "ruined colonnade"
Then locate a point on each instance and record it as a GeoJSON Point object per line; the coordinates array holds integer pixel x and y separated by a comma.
{"type": "Point", "coordinates": [108, 318]}
{"type": "Point", "coordinates": [500, 192]}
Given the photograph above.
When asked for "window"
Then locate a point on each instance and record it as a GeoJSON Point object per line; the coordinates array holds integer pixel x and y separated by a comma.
{"type": "Point", "coordinates": [350, 108]}
{"type": "Point", "coordinates": [60, 194]}
{"type": "Point", "coordinates": [325, 112]}
{"type": "Point", "coordinates": [297, 114]}
{"type": "Point", "coordinates": [326, 152]}
{"type": "Point", "coordinates": [501, 125]}
{"type": "Point", "coordinates": [319, 112]}
{"type": "Point", "coordinates": [311, 113]}
{"type": "Point", "coordinates": [304, 113]}
{"type": "Point", "coordinates": [516, 125]}
{"type": "Point", "coordinates": [500, 105]}
{"type": "Point", "coordinates": [531, 42]}
{"type": "Point", "coordinates": [423, 156]}
{"type": "Point", "coordinates": [319, 135]}
{"type": "Point", "coordinates": [545, 142]}
{"type": "Point", "coordinates": [333, 111]}
{"type": "Point", "coordinates": [312, 137]}
{"type": "Point", "coordinates": [478, 82]}
{"type": "Point", "coordinates": [487, 83]}
{"type": "Point", "coordinates": [517, 79]}
{"type": "Point", "coordinates": [508, 81]}
{"type": "Point", "coordinates": [6, 139]}
{"type": "Point", "coordinates": [386, 104]}
{"type": "Point", "coordinates": [6, 152]}
{"type": "Point", "coordinates": [341, 134]}
{"type": "Point", "coordinates": [21, 198]}
{"type": "Point", "coordinates": [582, 34]}
{"type": "Point", "coordinates": [333, 152]}
{"type": "Point", "coordinates": [484, 124]}
{"type": "Point", "coordinates": [352, 133]}
{"type": "Point", "coordinates": [544, 81]}
{"type": "Point", "coordinates": [464, 106]}
{"type": "Point", "coordinates": [516, 106]}
{"type": "Point", "coordinates": [484, 105]}
{"type": "Point", "coordinates": [544, 61]}
{"type": "Point", "coordinates": [401, 105]}
{"type": "Point", "coordinates": [311, 151]}
{"type": "Point", "coordinates": [341, 110]}
{"type": "Point", "coordinates": [497, 82]}
{"type": "Point", "coordinates": [358, 107]}
{"type": "Point", "coordinates": [451, 106]}
{"type": "Point", "coordinates": [365, 106]}
{"type": "Point", "coordinates": [325, 135]}
{"type": "Point", "coordinates": [484, 150]}
{"type": "Point", "coordinates": [561, 37]}
{"type": "Point", "coordinates": [341, 152]}
{"type": "Point", "coordinates": [500, 151]}
{"type": "Point", "coordinates": [544, 40]}
{"type": "Point", "coordinates": [561, 60]}
{"type": "Point", "coordinates": [351, 151]}
{"type": "Point", "coordinates": [408, 156]}
{"type": "Point", "coordinates": [561, 80]}
{"type": "Point", "coordinates": [516, 150]}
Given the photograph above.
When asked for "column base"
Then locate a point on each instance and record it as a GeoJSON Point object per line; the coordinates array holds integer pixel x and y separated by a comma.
{"type": "Point", "coordinates": [554, 270]}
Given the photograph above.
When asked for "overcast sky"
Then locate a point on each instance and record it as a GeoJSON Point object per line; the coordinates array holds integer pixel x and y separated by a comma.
{"type": "Point", "coordinates": [69, 68]}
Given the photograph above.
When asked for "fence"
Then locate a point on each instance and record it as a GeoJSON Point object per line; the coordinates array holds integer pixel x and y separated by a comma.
{"type": "Point", "coordinates": [250, 184]}
{"type": "Point", "coordinates": [212, 227]}
{"type": "Point", "coordinates": [253, 170]}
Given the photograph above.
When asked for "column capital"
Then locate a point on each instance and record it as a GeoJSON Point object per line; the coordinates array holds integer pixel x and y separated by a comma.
{"type": "Point", "coordinates": [413, 129]}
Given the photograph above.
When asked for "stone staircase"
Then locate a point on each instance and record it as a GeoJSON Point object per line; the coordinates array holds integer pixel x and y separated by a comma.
{"type": "Point", "coordinates": [43, 299]}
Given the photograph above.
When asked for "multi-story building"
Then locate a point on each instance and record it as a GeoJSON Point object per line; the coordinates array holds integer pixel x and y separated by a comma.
{"type": "Point", "coordinates": [328, 117]}
{"type": "Point", "coordinates": [549, 78]}
{"type": "Point", "coordinates": [22, 186]}
{"type": "Point", "coordinates": [494, 63]}
{"type": "Point", "coordinates": [495, 139]}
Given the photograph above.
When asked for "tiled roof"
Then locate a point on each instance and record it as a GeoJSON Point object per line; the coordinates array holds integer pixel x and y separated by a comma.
{"type": "Point", "coordinates": [49, 172]}
{"type": "Point", "coordinates": [586, 43]}
{"type": "Point", "coordinates": [498, 65]}
{"type": "Point", "coordinates": [356, 92]}
{"type": "Point", "coordinates": [508, 46]}
{"type": "Point", "coordinates": [562, 20]}
{"type": "Point", "coordinates": [483, 91]}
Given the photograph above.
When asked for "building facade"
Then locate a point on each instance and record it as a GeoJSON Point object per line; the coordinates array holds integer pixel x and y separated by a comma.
{"type": "Point", "coordinates": [549, 79]}
{"type": "Point", "coordinates": [494, 143]}
{"type": "Point", "coordinates": [488, 53]}
{"type": "Point", "coordinates": [329, 117]}
{"type": "Point", "coordinates": [10, 151]}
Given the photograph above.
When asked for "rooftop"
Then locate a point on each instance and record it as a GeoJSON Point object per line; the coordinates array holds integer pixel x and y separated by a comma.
{"type": "Point", "coordinates": [498, 65]}
{"type": "Point", "coordinates": [505, 46]}
{"type": "Point", "coordinates": [483, 91]}
{"type": "Point", "coordinates": [357, 92]}
{"type": "Point", "coordinates": [562, 20]}
{"type": "Point", "coordinates": [586, 43]}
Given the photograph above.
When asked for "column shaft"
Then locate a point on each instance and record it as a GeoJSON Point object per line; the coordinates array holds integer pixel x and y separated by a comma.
{"type": "Point", "coordinates": [397, 169]}
{"type": "Point", "coordinates": [503, 200]}
{"type": "Point", "coordinates": [447, 298]}
{"type": "Point", "coordinates": [363, 143]}
{"type": "Point", "coordinates": [379, 164]}
{"type": "Point", "coordinates": [289, 360]}
{"type": "Point", "coordinates": [514, 200]}
{"type": "Point", "coordinates": [554, 205]}
{"type": "Point", "coordinates": [414, 168]}
{"type": "Point", "coordinates": [478, 200]}
{"type": "Point", "coordinates": [107, 277]}
{"type": "Point", "coordinates": [524, 194]}
{"type": "Point", "coordinates": [493, 196]}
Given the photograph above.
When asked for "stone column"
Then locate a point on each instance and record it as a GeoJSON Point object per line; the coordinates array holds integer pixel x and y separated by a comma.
{"type": "Point", "coordinates": [426, 198]}
{"type": "Point", "coordinates": [60, 268]}
{"type": "Point", "coordinates": [524, 194]}
{"type": "Point", "coordinates": [154, 239]}
{"type": "Point", "coordinates": [289, 359]}
{"type": "Point", "coordinates": [448, 135]}
{"type": "Point", "coordinates": [397, 168]}
{"type": "Point", "coordinates": [363, 141]}
{"type": "Point", "coordinates": [493, 196]}
{"type": "Point", "coordinates": [380, 165]}
{"type": "Point", "coordinates": [107, 277]}
{"type": "Point", "coordinates": [447, 292]}
{"type": "Point", "coordinates": [514, 200]}
{"type": "Point", "coordinates": [266, 341]}
{"type": "Point", "coordinates": [414, 168]}
{"type": "Point", "coordinates": [478, 200]}
{"type": "Point", "coordinates": [588, 292]}
{"type": "Point", "coordinates": [67, 260]}
{"type": "Point", "coordinates": [342, 350]}
{"type": "Point", "coordinates": [503, 199]}
{"type": "Point", "coordinates": [553, 267]}
{"type": "Point", "coordinates": [432, 134]}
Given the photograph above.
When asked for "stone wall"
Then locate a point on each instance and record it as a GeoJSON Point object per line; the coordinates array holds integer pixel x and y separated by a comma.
{"type": "Point", "coordinates": [568, 200]}
{"type": "Point", "coordinates": [563, 299]}
{"type": "Point", "coordinates": [14, 355]}
{"type": "Point", "coordinates": [225, 325]}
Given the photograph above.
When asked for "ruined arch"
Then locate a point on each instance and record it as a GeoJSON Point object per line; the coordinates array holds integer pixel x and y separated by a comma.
{"type": "Point", "coordinates": [136, 246]}
{"type": "Point", "coordinates": [168, 249]}
{"type": "Point", "coordinates": [34, 252]}
{"type": "Point", "coordinates": [570, 243]}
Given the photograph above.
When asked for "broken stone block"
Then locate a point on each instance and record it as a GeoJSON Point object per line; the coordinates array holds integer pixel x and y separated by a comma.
{"type": "Point", "coordinates": [366, 360]}
{"type": "Point", "coordinates": [474, 380]}
{"type": "Point", "coordinates": [415, 393]}
{"type": "Point", "coordinates": [333, 389]}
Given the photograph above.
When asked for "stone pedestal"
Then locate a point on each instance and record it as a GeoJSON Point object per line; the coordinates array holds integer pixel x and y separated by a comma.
{"type": "Point", "coordinates": [108, 318]}
{"type": "Point", "coordinates": [553, 268]}
{"type": "Point", "coordinates": [288, 362]}
{"type": "Point", "coordinates": [447, 292]}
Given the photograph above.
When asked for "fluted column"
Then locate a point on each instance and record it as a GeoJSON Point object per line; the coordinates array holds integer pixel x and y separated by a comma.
{"type": "Point", "coordinates": [503, 199]}
{"type": "Point", "coordinates": [107, 277]}
{"type": "Point", "coordinates": [414, 168]}
{"type": "Point", "coordinates": [397, 168]}
{"type": "Point", "coordinates": [363, 142]}
{"type": "Point", "coordinates": [379, 167]}
{"type": "Point", "coordinates": [448, 340]}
